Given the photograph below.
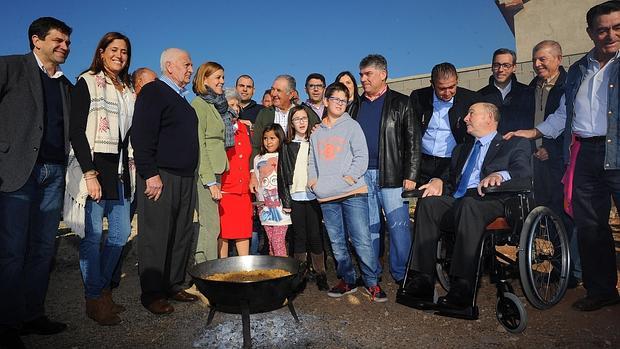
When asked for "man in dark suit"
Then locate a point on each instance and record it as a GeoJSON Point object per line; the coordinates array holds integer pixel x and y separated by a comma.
{"type": "Point", "coordinates": [34, 144]}
{"type": "Point", "coordinates": [459, 205]}
{"type": "Point", "coordinates": [440, 109]}
{"type": "Point", "coordinates": [507, 93]}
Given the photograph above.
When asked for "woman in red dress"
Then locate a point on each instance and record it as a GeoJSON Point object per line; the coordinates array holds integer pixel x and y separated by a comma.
{"type": "Point", "coordinates": [236, 204]}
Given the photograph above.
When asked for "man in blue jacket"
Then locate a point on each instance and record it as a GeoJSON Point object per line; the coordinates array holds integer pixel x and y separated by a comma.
{"type": "Point", "coordinates": [590, 109]}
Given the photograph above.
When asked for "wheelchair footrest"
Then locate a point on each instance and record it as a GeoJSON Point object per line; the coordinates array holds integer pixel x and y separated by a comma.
{"type": "Point", "coordinates": [468, 313]}
{"type": "Point", "coordinates": [413, 302]}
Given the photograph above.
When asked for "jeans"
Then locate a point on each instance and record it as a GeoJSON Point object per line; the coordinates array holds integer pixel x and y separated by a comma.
{"type": "Point", "coordinates": [396, 213]}
{"type": "Point", "coordinates": [29, 219]}
{"type": "Point", "coordinates": [352, 213]}
{"type": "Point", "coordinates": [97, 264]}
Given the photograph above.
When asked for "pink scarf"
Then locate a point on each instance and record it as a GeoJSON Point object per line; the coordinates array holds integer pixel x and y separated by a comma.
{"type": "Point", "coordinates": [569, 175]}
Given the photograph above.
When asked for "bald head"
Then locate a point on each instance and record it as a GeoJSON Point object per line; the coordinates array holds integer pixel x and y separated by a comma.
{"type": "Point", "coordinates": [176, 64]}
{"type": "Point", "coordinates": [141, 77]}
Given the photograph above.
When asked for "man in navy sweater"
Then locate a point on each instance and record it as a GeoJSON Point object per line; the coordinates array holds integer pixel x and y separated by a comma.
{"type": "Point", "coordinates": [34, 144]}
{"type": "Point", "coordinates": [393, 138]}
{"type": "Point", "coordinates": [165, 142]}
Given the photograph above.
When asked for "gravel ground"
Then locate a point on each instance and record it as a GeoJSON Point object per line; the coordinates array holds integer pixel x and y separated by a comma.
{"type": "Point", "coordinates": [348, 322]}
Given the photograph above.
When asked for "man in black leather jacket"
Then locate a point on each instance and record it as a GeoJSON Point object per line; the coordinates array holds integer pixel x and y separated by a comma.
{"type": "Point", "coordinates": [440, 109]}
{"type": "Point", "coordinates": [393, 138]}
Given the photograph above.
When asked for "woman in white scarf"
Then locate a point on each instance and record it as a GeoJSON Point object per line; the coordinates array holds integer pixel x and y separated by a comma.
{"type": "Point", "coordinates": [100, 182]}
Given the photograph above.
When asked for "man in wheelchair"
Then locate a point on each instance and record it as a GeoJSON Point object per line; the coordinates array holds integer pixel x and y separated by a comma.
{"type": "Point", "coordinates": [460, 206]}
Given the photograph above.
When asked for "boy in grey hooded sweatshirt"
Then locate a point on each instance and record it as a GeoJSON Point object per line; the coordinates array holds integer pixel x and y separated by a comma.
{"type": "Point", "coordinates": [336, 166]}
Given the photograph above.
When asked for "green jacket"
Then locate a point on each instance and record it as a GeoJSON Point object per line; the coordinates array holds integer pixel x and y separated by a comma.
{"type": "Point", "coordinates": [212, 160]}
{"type": "Point", "coordinates": [265, 117]}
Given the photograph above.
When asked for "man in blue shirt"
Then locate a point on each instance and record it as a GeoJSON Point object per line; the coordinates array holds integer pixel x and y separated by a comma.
{"type": "Point", "coordinates": [590, 109]}
{"type": "Point", "coordinates": [458, 205]}
{"type": "Point", "coordinates": [440, 108]}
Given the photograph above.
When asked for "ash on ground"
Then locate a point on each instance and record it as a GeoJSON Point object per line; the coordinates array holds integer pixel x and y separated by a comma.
{"type": "Point", "coordinates": [268, 330]}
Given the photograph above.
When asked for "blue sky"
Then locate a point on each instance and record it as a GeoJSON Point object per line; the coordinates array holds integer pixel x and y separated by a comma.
{"type": "Point", "coordinates": [266, 38]}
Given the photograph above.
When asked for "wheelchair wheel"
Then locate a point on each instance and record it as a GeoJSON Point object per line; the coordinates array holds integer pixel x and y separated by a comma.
{"type": "Point", "coordinates": [511, 313]}
{"type": "Point", "coordinates": [444, 257]}
{"type": "Point", "coordinates": [544, 258]}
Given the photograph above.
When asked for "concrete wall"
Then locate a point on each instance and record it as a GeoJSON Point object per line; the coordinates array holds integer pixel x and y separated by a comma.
{"type": "Point", "coordinates": [561, 20]}
{"type": "Point", "coordinates": [473, 78]}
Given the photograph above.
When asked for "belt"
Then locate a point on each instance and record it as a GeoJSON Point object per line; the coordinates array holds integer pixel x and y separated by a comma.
{"type": "Point", "coordinates": [433, 157]}
{"type": "Point", "coordinates": [595, 139]}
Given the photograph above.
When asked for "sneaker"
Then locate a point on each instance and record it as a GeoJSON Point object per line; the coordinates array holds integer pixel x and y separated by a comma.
{"type": "Point", "coordinates": [376, 294]}
{"type": "Point", "coordinates": [341, 289]}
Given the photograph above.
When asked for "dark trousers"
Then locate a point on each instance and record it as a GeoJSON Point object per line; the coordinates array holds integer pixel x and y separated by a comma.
{"type": "Point", "coordinates": [593, 187]}
{"type": "Point", "coordinates": [29, 220]}
{"type": "Point", "coordinates": [433, 167]}
{"type": "Point", "coordinates": [549, 192]}
{"type": "Point", "coordinates": [466, 217]}
{"type": "Point", "coordinates": [165, 235]}
{"type": "Point", "coordinates": [306, 219]}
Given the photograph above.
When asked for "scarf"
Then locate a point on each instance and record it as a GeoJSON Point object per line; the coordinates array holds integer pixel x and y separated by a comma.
{"type": "Point", "coordinates": [102, 132]}
{"type": "Point", "coordinates": [221, 105]}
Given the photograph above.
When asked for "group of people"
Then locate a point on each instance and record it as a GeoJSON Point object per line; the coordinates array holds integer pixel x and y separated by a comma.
{"type": "Point", "coordinates": [117, 143]}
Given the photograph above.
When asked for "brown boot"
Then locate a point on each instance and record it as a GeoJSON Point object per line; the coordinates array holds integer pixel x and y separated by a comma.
{"type": "Point", "coordinates": [318, 262]}
{"type": "Point", "coordinates": [98, 310]}
{"type": "Point", "coordinates": [106, 294]}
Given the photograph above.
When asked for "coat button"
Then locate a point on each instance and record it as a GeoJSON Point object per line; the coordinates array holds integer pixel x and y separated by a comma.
{"type": "Point", "coordinates": [609, 112]}
{"type": "Point", "coordinates": [611, 85]}
{"type": "Point", "coordinates": [35, 149]}
{"type": "Point", "coordinates": [609, 141]}
{"type": "Point", "coordinates": [240, 156]}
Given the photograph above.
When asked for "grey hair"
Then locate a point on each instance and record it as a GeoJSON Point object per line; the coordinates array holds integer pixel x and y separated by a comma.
{"type": "Point", "coordinates": [168, 55]}
{"type": "Point", "coordinates": [377, 61]}
{"type": "Point", "coordinates": [290, 82]}
{"type": "Point", "coordinates": [231, 93]}
{"type": "Point", "coordinates": [491, 109]}
{"type": "Point", "coordinates": [553, 45]}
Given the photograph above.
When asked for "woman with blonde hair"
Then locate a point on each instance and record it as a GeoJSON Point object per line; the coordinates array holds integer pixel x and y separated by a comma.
{"type": "Point", "coordinates": [215, 134]}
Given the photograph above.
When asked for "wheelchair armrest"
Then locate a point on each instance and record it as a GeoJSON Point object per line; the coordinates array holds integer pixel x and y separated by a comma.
{"type": "Point", "coordinates": [415, 193]}
{"type": "Point", "coordinates": [516, 185]}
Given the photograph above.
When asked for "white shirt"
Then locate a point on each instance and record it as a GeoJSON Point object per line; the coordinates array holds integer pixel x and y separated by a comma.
{"type": "Point", "coordinates": [56, 75]}
{"type": "Point", "coordinates": [504, 91]}
{"type": "Point", "coordinates": [281, 118]}
{"type": "Point", "coordinates": [590, 104]}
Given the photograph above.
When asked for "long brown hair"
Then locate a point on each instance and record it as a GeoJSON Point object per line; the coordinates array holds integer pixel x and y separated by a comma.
{"type": "Point", "coordinates": [290, 129]}
{"type": "Point", "coordinates": [97, 64]}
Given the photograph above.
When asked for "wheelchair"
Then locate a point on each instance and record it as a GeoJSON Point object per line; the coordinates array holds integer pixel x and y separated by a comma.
{"type": "Point", "coordinates": [529, 243]}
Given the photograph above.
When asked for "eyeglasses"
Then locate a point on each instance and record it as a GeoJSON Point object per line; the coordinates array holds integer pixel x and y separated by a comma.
{"type": "Point", "coordinates": [338, 100]}
{"type": "Point", "coordinates": [300, 120]}
{"type": "Point", "coordinates": [496, 66]}
{"type": "Point", "coordinates": [315, 87]}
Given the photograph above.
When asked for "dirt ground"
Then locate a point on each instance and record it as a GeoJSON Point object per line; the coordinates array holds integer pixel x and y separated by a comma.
{"type": "Point", "coordinates": [348, 322]}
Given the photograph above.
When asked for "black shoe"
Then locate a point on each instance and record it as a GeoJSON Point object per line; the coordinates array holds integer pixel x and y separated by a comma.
{"type": "Point", "coordinates": [460, 294]}
{"type": "Point", "coordinates": [459, 301]}
{"type": "Point", "coordinates": [321, 282]}
{"type": "Point", "coordinates": [418, 292]}
{"type": "Point", "coordinates": [595, 303]}
{"type": "Point", "coordinates": [42, 326]}
{"type": "Point", "coordinates": [9, 339]}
